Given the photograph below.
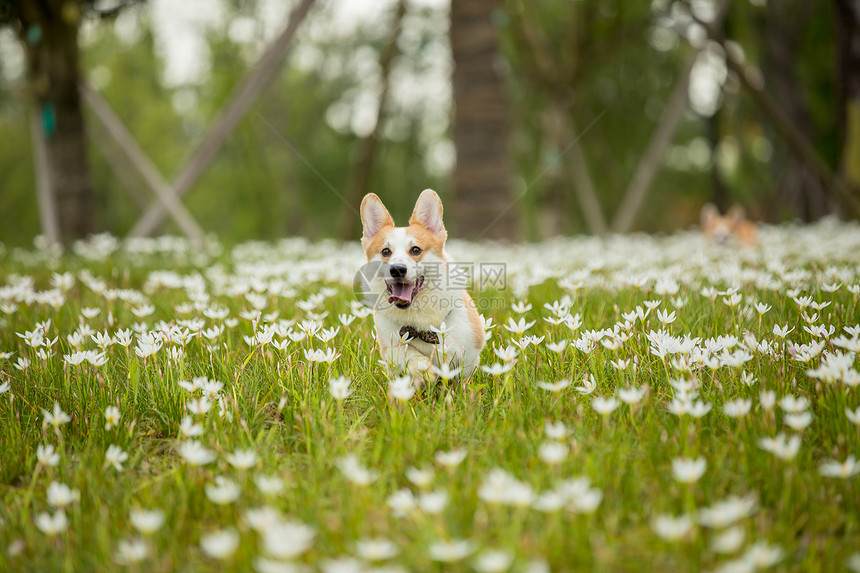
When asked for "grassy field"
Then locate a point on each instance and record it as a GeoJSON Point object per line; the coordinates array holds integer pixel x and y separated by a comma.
{"type": "Point", "coordinates": [646, 404]}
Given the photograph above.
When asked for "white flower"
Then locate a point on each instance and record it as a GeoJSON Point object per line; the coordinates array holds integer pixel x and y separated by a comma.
{"type": "Point", "coordinates": [60, 495]}
{"type": "Point", "coordinates": [189, 428]}
{"type": "Point", "coordinates": [767, 399]}
{"type": "Point", "coordinates": [199, 405]}
{"type": "Point", "coordinates": [835, 469]}
{"type": "Point", "coordinates": [671, 528]}
{"type": "Point", "coordinates": [552, 452]}
{"type": "Point", "coordinates": [112, 416]}
{"type": "Point", "coordinates": [586, 501]}
{"type": "Point", "coordinates": [147, 520]}
{"type": "Point", "coordinates": [446, 371]}
{"type": "Point", "coordinates": [506, 354]}
{"type": "Point", "coordinates": [269, 485]}
{"type": "Point", "coordinates": [724, 513]}
{"type": "Point", "coordinates": [242, 459]}
{"type": "Point", "coordinates": [632, 395]}
{"type": "Point", "coordinates": [549, 501]}
{"type": "Point", "coordinates": [263, 518]}
{"type": "Point", "coordinates": [450, 459]}
{"type": "Point", "coordinates": [56, 418]}
{"type": "Point", "coordinates": [761, 555]}
{"type": "Point", "coordinates": [401, 502]}
{"type": "Point", "coordinates": [450, 551]}
{"type": "Point", "coordinates": [339, 388]}
{"type": "Point", "coordinates": [503, 488]}
{"type": "Point", "coordinates": [195, 453]}
{"type": "Point", "coordinates": [433, 502]}
{"type": "Point", "coordinates": [498, 369]}
{"type": "Point", "coordinates": [588, 385]}
{"type": "Point", "coordinates": [728, 541]}
{"type": "Point", "coordinates": [492, 561]}
{"type": "Point", "coordinates": [223, 492]}
{"type": "Point", "coordinates": [762, 307]}
{"type": "Point", "coordinates": [328, 355]}
{"type": "Point", "coordinates": [785, 448]}
{"type": "Point", "coordinates": [355, 472]}
{"type": "Point", "coordinates": [603, 405]}
{"type": "Point", "coordinates": [554, 386]}
{"type": "Point", "coordinates": [46, 455]}
{"type": "Point", "coordinates": [130, 551]}
{"type": "Point", "coordinates": [665, 317]}
{"type": "Point", "coordinates": [798, 422]}
{"type": "Point", "coordinates": [376, 548]}
{"type": "Point", "coordinates": [288, 539]}
{"type": "Point", "coordinates": [420, 477]}
{"type": "Point", "coordinates": [557, 347]}
{"type": "Point", "coordinates": [794, 405]}
{"type": "Point", "coordinates": [518, 327]}
{"type": "Point", "coordinates": [555, 430]}
{"type": "Point", "coordinates": [52, 524]}
{"type": "Point", "coordinates": [220, 544]}
{"type": "Point", "coordinates": [115, 456]}
{"type": "Point", "coordinates": [521, 307]}
{"type": "Point", "coordinates": [737, 408]}
{"type": "Point", "coordinates": [853, 562]}
{"type": "Point", "coordinates": [853, 415]}
{"type": "Point", "coordinates": [401, 388]}
{"type": "Point", "coordinates": [782, 331]}
{"type": "Point", "coordinates": [748, 379]}
{"type": "Point", "coordinates": [688, 470]}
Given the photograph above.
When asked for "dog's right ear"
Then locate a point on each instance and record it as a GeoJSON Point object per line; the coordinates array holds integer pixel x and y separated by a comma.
{"type": "Point", "coordinates": [374, 216]}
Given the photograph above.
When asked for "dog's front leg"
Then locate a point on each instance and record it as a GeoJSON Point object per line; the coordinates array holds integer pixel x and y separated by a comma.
{"type": "Point", "coordinates": [418, 366]}
{"type": "Point", "coordinates": [407, 359]}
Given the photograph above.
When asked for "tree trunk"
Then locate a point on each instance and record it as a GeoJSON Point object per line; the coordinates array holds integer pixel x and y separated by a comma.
{"type": "Point", "coordinates": [848, 23]}
{"type": "Point", "coordinates": [483, 202]}
{"type": "Point", "coordinates": [362, 168]}
{"type": "Point", "coordinates": [50, 37]}
{"type": "Point", "coordinates": [798, 186]}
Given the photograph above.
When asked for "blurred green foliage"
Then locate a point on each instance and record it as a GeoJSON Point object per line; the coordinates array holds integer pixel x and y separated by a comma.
{"type": "Point", "coordinates": [260, 185]}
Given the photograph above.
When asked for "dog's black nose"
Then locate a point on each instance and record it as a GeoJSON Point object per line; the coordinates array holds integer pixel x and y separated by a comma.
{"type": "Point", "coordinates": [397, 271]}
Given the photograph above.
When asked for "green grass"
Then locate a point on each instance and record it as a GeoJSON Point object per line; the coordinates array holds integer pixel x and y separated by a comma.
{"type": "Point", "coordinates": [281, 409]}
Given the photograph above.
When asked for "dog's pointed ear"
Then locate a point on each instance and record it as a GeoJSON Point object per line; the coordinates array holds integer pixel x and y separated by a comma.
{"type": "Point", "coordinates": [708, 215]}
{"type": "Point", "coordinates": [374, 216]}
{"type": "Point", "coordinates": [428, 213]}
{"type": "Point", "coordinates": [736, 214]}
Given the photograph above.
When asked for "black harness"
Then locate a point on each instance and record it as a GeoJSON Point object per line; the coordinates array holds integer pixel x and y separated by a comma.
{"type": "Point", "coordinates": [427, 336]}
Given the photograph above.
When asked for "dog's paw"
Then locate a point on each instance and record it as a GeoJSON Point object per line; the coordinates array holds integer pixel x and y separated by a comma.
{"type": "Point", "coordinates": [418, 365]}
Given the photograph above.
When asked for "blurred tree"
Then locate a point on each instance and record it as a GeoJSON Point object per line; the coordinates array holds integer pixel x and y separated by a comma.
{"type": "Point", "coordinates": [48, 31]}
{"type": "Point", "coordinates": [358, 184]}
{"type": "Point", "coordinates": [848, 24]}
{"type": "Point", "coordinates": [797, 184]}
{"type": "Point", "coordinates": [483, 201]}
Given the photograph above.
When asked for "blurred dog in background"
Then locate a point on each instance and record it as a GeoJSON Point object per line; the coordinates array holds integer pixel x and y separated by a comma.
{"type": "Point", "coordinates": [731, 229]}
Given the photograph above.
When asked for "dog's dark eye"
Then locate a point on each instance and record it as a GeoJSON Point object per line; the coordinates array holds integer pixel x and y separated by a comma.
{"type": "Point", "coordinates": [386, 252]}
{"type": "Point", "coordinates": [415, 251]}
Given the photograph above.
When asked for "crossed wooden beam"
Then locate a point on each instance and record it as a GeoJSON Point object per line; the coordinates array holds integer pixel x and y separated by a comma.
{"type": "Point", "coordinates": [168, 193]}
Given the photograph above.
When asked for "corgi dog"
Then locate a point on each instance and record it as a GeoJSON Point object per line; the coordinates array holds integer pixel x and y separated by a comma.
{"type": "Point", "coordinates": [732, 228]}
{"type": "Point", "coordinates": [418, 292]}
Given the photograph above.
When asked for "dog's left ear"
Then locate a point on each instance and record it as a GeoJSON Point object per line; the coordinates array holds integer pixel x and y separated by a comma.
{"type": "Point", "coordinates": [428, 213]}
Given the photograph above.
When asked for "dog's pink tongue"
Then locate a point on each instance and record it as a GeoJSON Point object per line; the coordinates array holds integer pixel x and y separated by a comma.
{"type": "Point", "coordinates": [401, 292]}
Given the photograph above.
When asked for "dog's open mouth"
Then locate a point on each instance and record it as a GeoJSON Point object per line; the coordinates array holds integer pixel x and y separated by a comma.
{"type": "Point", "coordinates": [402, 292]}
